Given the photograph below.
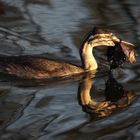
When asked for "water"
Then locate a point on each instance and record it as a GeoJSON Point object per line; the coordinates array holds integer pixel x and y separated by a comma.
{"type": "Point", "coordinates": [52, 111]}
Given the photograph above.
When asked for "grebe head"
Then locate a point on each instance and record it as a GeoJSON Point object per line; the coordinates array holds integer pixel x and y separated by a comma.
{"type": "Point", "coordinates": [101, 37]}
{"type": "Point", "coordinates": [106, 37]}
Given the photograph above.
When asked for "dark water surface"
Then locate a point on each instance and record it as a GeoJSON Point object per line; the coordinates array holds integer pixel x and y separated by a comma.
{"type": "Point", "coordinates": [55, 28]}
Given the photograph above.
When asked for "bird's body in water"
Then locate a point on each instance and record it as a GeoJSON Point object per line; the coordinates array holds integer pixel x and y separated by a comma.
{"type": "Point", "coordinates": [36, 67]}
{"type": "Point", "coordinates": [32, 67]}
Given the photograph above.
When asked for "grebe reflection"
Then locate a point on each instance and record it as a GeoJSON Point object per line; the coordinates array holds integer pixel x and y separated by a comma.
{"type": "Point", "coordinates": [116, 97]}
{"type": "Point", "coordinates": [35, 67]}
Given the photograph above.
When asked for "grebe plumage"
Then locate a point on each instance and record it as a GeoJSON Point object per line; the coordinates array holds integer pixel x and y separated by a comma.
{"type": "Point", "coordinates": [33, 67]}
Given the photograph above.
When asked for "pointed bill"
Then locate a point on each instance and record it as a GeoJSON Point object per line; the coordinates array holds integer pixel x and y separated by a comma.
{"type": "Point", "coordinates": [129, 51]}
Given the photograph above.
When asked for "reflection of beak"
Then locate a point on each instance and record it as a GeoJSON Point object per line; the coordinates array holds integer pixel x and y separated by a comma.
{"type": "Point", "coordinates": [129, 51]}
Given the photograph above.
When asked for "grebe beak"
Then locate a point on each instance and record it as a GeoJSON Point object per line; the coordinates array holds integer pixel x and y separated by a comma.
{"type": "Point", "coordinates": [129, 51]}
{"type": "Point", "coordinates": [127, 44]}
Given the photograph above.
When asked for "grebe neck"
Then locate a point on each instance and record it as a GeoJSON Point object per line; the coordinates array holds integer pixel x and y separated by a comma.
{"type": "Point", "coordinates": [88, 60]}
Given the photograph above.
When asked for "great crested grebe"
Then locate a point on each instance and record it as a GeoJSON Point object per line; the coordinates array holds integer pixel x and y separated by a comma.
{"type": "Point", "coordinates": [33, 67]}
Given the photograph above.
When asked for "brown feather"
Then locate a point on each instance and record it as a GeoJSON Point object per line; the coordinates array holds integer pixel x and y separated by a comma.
{"type": "Point", "coordinates": [36, 67]}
